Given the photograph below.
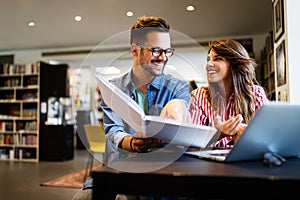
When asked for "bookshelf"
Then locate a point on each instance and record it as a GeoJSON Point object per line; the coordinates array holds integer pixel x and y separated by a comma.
{"type": "Point", "coordinates": [274, 57]}
{"type": "Point", "coordinates": [19, 117]}
{"type": "Point", "coordinates": [268, 67]}
{"type": "Point", "coordinates": [282, 82]}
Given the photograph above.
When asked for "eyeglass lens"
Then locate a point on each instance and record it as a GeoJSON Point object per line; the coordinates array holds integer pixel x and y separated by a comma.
{"type": "Point", "coordinates": [156, 52]}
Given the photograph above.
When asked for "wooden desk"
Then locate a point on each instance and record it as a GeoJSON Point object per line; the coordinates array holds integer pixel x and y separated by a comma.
{"type": "Point", "coordinates": [189, 176]}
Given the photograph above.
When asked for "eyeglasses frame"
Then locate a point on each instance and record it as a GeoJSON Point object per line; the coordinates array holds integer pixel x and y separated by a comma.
{"type": "Point", "coordinates": [158, 50]}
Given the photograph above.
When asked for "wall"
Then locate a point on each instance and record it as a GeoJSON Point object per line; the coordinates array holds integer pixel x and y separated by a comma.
{"type": "Point", "coordinates": [188, 63]}
{"type": "Point", "coordinates": [194, 56]}
{"type": "Point", "coordinates": [293, 47]}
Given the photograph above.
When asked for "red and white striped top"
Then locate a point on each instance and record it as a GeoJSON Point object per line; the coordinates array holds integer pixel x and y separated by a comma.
{"type": "Point", "coordinates": [202, 111]}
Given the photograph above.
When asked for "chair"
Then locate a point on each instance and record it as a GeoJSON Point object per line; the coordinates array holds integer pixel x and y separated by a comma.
{"type": "Point", "coordinates": [97, 141]}
{"type": "Point", "coordinates": [83, 117]}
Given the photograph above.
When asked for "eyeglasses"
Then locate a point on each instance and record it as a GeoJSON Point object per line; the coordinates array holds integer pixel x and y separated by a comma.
{"type": "Point", "coordinates": [156, 51]}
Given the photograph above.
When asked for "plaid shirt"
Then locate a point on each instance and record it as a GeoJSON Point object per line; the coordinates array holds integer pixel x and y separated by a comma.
{"type": "Point", "coordinates": [202, 111]}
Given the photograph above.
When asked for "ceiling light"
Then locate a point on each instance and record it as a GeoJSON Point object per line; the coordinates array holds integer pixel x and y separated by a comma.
{"type": "Point", "coordinates": [77, 18]}
{"type": "Point", "coordinates": [129, 14]}
{"type": "Point", "coordinates": [31, 23]}
{"type": "Point", "coordinates": [190, 8]}
{"type": "Point", "coordinates": [53, 62]}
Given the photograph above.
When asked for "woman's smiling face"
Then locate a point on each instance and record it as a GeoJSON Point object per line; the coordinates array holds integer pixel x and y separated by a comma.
{"type": "Point", "coordinates": [218, 68]}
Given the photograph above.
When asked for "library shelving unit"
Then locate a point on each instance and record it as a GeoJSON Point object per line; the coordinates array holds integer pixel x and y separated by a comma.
{"type": "Point", "coordinates": [268, 69]}
{"type": "Point", "coordinates": [276, 80]}
{"type": "Point", "coordinates": [282, 74]}
{"type": "Point", "coordinates": [19, 116]}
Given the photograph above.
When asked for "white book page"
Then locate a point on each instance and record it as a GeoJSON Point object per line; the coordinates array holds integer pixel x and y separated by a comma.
{"type": "Point", "coordinates": [172, 131]}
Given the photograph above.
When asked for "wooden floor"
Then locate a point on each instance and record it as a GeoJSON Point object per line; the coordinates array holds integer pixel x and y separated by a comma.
{"type": "Point", "coordinates": [21, 180]}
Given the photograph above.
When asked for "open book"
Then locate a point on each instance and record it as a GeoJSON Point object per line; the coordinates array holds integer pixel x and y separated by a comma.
{"type": "Point", "coordinates": [169, 130]}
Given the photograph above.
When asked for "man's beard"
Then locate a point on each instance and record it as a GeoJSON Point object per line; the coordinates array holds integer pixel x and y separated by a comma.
{"type": "Point", "coordinates": [149, 68]}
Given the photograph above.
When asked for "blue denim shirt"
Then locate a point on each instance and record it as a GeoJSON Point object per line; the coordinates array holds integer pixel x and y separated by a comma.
{"type": "Point", "coordinates": [160, 91]}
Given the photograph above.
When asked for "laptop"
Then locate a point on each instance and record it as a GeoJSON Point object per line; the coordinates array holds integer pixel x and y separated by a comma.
{"type": "Point", "coordinates": [274, 128]}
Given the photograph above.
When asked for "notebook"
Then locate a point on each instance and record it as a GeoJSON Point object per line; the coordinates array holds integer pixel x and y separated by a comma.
{"type": "Point", "coordinates": [274, 128]}
{"type": "Point", "coordinates": [169, 130]}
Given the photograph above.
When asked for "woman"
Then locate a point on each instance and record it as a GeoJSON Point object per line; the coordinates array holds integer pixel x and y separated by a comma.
{"type": "Point", "coordinates": [232, 96]}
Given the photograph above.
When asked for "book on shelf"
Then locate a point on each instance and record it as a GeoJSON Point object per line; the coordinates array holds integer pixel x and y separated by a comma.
{"type": "Point", "coordinates": [31, 126]}
{"type": "Point", "coordinates": [18, 153]}
{"type": "Point", "coordinates": [2, 126]}
{"type": "Point", "coordinates": [11, 154]}
{"type": "Point", "coordinates": [30, 68]}
{"type": "Point", "coordinates": [6, 126]}
{"type": "Point", "coordinates": [9, 139]}
{"type": "Point", "coordinates": [12, 69]}
{"type": "Point", "coordinates": [29, 139]}
{"type": "Point", "coordinates": [1, 139]}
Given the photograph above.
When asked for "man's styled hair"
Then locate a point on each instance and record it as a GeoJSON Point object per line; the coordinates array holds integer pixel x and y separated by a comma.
{"type": "Point", "coordinates": [144, 25]}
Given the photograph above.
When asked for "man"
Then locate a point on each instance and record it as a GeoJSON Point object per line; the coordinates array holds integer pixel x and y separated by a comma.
{"type": "Point", "coordinates": [145, 83]}
{"type": "Point", "coordinates": [149, 87]}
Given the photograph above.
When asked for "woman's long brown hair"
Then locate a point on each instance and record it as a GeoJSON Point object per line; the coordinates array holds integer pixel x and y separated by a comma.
{"type": "Point", "coordinates": [243, 74]}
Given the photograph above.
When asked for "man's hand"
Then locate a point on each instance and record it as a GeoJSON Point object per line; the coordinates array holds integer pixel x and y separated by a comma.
{"type": "Point", "coordinates": [178, 110]}
{"type": "Point", "coordinates": [139, 143]}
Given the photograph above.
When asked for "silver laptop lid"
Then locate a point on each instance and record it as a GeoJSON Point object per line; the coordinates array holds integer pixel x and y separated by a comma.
{"type": "Point", "coordinates": [275, 128]}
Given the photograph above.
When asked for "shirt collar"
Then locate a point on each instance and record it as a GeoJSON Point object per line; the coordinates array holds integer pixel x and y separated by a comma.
{"type": "Point", "coordinates": [156, 83]}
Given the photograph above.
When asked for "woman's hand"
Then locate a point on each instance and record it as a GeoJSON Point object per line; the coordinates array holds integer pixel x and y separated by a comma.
{"type": "Point", "coordinates": [239, 132]}
{"type": "Point", "coordinates": [231, 127]}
